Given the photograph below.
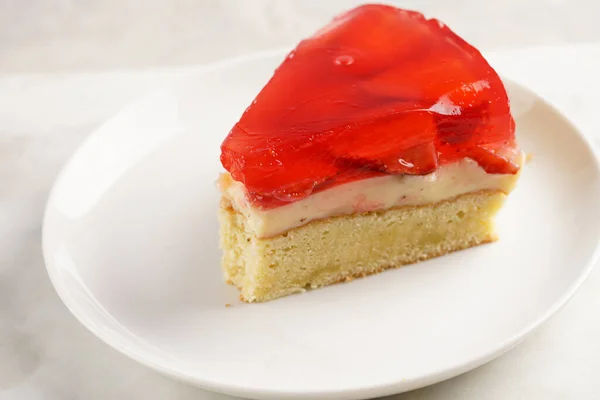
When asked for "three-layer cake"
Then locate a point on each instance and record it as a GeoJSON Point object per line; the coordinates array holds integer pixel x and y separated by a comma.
{"type": "Point", "coordinates": [382, 140]}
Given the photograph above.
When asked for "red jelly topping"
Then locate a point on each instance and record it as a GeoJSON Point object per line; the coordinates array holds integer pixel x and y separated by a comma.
{"type": "Point", "coordinates": [380, 90]}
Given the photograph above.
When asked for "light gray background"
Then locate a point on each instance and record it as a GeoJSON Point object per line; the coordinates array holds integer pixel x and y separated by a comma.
{"type": "Point", "coordinates": [68, 35]}
{"type": "Point", "coordinates": [66, 65]}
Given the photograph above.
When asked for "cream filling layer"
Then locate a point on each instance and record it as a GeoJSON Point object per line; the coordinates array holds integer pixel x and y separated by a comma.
{"type": "Point", "coordinates": [372, 194]}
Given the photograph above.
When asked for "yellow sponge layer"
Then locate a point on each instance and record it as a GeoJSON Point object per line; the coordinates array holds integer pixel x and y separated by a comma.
{"type": "Point", "coordinates": [341, 248]}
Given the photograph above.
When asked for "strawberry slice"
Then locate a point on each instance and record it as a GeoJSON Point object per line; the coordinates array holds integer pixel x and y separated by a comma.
{"type": "Point", "coordinates": [418, 160]}
{"type": "Point", "coordinates": [396, 144]}
{"type": "Point", "coordinates": [275, 168]}
{"type": "Point", "coordinates": [493, 161]}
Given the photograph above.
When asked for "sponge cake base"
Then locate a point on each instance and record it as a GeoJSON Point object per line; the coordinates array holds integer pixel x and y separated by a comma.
{"type": "Point", "coordinates": [342, 248]}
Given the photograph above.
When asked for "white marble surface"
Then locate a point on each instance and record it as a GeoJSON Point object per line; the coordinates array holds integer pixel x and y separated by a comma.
{"type": "Point", "coordinates": [66, 65]}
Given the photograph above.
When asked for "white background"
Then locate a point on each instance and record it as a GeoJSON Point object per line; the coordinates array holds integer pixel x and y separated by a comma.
{"type": "Point", "coordinates": [66, 65]}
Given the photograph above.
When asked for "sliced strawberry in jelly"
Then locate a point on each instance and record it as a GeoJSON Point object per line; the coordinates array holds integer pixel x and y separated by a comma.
{"type": "Point", "coordinates": [380, 90]}
{"type": "Point", "coordinates": [395, 144]}
{"type": "Point", "coordinates": [262, 167]}
{"type": "Point", "coordinates": [494, 160]}
{"type": "Point", "coordinates": [421, 159]}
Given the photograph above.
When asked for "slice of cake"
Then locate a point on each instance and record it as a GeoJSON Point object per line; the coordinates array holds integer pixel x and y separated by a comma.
{"type": "Point", "coordinates": [382, 140]}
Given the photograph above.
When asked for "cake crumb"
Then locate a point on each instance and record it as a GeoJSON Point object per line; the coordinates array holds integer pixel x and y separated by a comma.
{"type": "Point", "coordinates": [528, 158]}
{"type": "Point", "coordinates": [227, 305]}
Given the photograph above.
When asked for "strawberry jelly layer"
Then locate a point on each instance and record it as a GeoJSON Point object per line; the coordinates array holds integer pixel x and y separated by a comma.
{"type": "Point", "coordinates": [379, 91]}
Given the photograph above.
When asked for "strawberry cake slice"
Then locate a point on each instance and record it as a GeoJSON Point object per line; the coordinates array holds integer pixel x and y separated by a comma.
{"type": "Point", "coordinates": [382, 140]}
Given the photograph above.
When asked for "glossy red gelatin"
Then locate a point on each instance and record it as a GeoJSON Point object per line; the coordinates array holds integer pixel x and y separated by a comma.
{"type": "Point", "coordinates": [380, 90]}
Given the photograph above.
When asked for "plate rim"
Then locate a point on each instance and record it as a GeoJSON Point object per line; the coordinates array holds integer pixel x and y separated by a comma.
{"type": "Point", "coordinates": [245, 391]}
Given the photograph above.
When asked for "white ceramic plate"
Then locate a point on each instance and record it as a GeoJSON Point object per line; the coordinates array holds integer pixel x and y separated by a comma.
{"type": "Point", "coordinates": [130, 242]}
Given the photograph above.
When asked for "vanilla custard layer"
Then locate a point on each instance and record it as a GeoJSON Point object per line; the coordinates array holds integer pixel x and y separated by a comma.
{"type": "Point", "coordinates": [373, 194]}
